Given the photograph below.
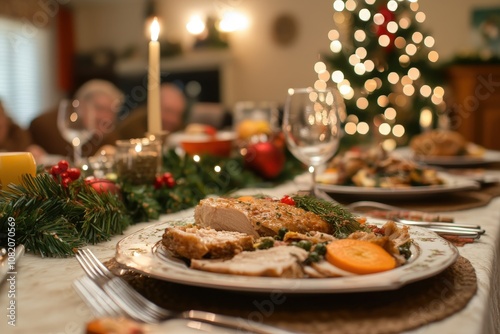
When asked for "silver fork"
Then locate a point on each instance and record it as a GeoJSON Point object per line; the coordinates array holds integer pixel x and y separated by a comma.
{"type": "Point", "coordinates": [98, 301]}
{"type": "Point", "coordinates": [103, 306]}
{"type": "Point", "coordinates": [139, 308]}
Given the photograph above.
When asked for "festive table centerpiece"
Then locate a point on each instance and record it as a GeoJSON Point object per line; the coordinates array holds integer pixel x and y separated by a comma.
{"type": "Point", "coordinates": [60, 209]}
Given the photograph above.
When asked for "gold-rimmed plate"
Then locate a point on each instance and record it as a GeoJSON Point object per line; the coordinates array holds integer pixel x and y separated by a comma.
{"type": "Point", "coordinates": [142, 252]}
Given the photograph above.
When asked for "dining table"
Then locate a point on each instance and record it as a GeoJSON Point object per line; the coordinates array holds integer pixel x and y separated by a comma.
{"type": "Point", "coordinates": [40, 297]}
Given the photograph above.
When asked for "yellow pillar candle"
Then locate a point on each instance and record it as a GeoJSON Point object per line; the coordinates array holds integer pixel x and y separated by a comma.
{"type": "Point", "coordinates": [154, 112]}
{"type": "Point", "coordinates": [13, 165]}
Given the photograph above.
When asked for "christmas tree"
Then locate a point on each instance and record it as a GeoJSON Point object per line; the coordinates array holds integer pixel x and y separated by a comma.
{"type": "Point", "coordinates": [385, 69]}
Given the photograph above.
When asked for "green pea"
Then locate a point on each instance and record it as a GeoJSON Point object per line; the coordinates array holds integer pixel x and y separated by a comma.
{"type": "Point", "coordinates": [320, 249]}
{"type": "Point", "coordinates": [281, 233]}
{"type": "Point", "coordinates": [304, 244]}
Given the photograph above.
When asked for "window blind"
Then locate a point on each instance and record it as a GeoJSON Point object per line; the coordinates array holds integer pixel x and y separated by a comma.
{"type": "Point", "coordinates": [23, 63]}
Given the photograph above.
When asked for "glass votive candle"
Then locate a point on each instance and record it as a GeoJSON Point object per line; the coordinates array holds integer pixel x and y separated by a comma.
{"type": "Point", "coordinates": [137, 161]}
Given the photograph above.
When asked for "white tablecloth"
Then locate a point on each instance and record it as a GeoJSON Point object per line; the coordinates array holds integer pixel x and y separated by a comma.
{"type": "Point", "coordinates": [47, 303]}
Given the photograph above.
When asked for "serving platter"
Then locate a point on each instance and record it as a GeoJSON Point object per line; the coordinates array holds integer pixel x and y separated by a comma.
{"type": "Point", "coordinates": [143, 252]}
{"type": "Point", "coordinates": [451, 184]}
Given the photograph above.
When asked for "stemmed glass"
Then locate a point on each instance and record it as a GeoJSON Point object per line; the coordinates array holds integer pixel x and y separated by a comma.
{"type": "Point", "coordinates": [76, 124]}
{"type": "Point", "coordinates": [311, 126]}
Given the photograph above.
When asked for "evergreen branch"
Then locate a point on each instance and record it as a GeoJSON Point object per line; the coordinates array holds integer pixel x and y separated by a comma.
{"type": "Point", "coordinates": [52, 220]}
{"type": "Point", "coordinates": [342, 221]}
{"type": "Point", "coordinates": [104, 215]}
{"type": "Point", "coordinates": [53, 238]}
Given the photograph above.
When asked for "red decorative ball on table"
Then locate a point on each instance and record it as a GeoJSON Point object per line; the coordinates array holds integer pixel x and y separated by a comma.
{"type": "Point", "coordinates": [265, 158]}
{"type": "Point", "coordinates": [103, 185]}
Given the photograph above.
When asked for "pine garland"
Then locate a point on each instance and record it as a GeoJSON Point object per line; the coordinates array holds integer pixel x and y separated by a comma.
{"type": "Point", "coordinates": [52, 220]}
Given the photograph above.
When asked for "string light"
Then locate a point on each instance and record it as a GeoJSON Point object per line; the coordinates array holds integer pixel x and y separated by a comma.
{"type": "Point", "coordinates": [420, 17]}
{"type": "Point", "coordinates": [359, 35]}
{"type": "Point", "coordinates": [392, 5]}
{"type": "Point", "coordinates": [390, 113]}
{"type": "Point", "coordinates": [398, 130]}
{"type": "Point", "coordinates": [333, 35]}
{"type": "Point", "coordinates": [362, 128]}
{"type": "Point", "coordinates": [336, 46]}
{"type": "Point", "coordinates": [384, 129]}
{"type": "Point", "coordinates": [364, 14]}
{"type": "Point", "coordinates": [392, 27]}
{"type": "Point", "coordinates": [369, 65]}
{"type": "Point", "coordinates": [429, 41]}
{"type": "Point", "coordinates": [350, 128]}
{"type": "Point", "coordinates": [338, 5]}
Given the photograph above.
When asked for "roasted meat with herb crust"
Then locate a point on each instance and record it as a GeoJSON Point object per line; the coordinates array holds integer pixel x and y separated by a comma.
{"type": "Point", "coordinates": [192, 242]}
{"type": "Point", "coordinates": [259, 217]}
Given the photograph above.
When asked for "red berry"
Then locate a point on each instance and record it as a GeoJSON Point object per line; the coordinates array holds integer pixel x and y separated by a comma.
{"type": "Point", "coordinates": [170, 182]}
{"type": "Point", "coordinates": [66, 181]}
{"type": "Point", "coordinates": [55, 170]}
{"type": "Point", "coordinates": [166, 176]}
{"type": "Point", "coordinates": [74, 173]}
{"type": "Point", "coordinates": [287, 200]}
{"type": "Point", "coordinates": [64, 175]}
{"type": "Point", "coordinates": [63, 164]}
{"type": "Point", "coordinates": [158, 182]}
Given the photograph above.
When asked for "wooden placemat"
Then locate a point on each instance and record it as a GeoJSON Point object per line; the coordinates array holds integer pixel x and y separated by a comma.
{"type": "Point", "coordinates": [412, 306]}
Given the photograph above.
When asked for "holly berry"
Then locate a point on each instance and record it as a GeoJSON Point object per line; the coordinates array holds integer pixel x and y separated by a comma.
{"type": "Point", "coordinates": [287, 200]}
{"type": "Point", "coordinates": [63, 165]}
{"type": "Point", "coordinates": [158, 182]}
{"type": "Point", "coordinates": [167, 179]}
{"type": "Point", "coordinates": [66, 181]}
{"type": "Point", "coordinates": [74, 173]}
{"type": "Point", "coordinates": [55, 170]}
{"type": "Point", "coordinates": [62, 173]}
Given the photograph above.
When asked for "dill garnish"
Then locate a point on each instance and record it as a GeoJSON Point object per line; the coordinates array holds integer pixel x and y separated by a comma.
{"type": "Point", "coordinates": [340, 219]}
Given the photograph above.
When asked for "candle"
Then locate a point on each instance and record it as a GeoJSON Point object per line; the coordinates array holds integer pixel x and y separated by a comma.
{"type": "Point", "coordinates": [154, 112]}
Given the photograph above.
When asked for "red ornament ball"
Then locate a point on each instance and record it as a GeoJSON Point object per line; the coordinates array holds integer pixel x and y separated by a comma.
{"type": "Point", "coordinates": [103, 185]}
{"type": "Point", "coordinates": [265, 158]}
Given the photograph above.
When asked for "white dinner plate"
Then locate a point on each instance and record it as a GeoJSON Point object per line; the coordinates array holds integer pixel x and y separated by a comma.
{"type": "Point", "coordinates": [488, 157]}
{"type": "Point", "coordinates": [451, 184]}
{"type": "Point", "coordinates": [142, 251]}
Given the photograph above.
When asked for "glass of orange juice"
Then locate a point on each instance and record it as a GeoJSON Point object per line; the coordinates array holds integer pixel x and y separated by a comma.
{"type": "Point", "coordinates": [13, 165]}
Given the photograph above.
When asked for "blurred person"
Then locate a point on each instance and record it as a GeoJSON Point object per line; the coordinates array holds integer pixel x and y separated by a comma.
{"type": "Point", "coordinates": [105, 99]}
{"type": "Point", "coordinates": [13, 138]}
{"type": "Point", "coordinates": [173, 106]}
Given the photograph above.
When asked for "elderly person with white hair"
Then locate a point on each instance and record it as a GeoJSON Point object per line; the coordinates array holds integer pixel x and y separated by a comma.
{"type": "Point", "coordinates": [104, 98]}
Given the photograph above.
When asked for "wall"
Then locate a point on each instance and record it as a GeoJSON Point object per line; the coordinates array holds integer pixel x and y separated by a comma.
{"type": "Point", "coordinates": [262, 70]}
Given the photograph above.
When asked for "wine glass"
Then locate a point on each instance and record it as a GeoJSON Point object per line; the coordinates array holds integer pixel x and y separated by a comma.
{"type": "Point", "coordinates": [311, 126]}
{"type": "Point", "coordinates": [76, 124]}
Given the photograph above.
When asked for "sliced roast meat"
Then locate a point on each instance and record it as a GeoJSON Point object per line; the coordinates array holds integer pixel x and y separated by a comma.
{"type": "Point", "coordinates": [259, 217]}
{"type": "Point", "coordinates": [281, 261]}
{"type": "Point", "coordinates": [195, 243]}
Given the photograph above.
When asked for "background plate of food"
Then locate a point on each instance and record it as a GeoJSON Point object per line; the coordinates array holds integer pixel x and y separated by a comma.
{"type": "Point", "coordinates": [449, 149]}
{"type": "Point", "coordinates": [377, 173]}
{"type": "Point", "coordinates": [176, 251]}
{"type": "Point", "coordinates": [449, 184]}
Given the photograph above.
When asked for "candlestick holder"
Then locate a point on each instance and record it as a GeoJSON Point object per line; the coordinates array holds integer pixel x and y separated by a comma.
{"type": "Point", "coordinates": [160, 137]}
{"type": "Point", "coordinates": [138, 160]}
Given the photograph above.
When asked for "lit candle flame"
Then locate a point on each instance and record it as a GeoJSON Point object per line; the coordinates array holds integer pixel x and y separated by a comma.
{"type": "Point", "coordinates": [155, 29]}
